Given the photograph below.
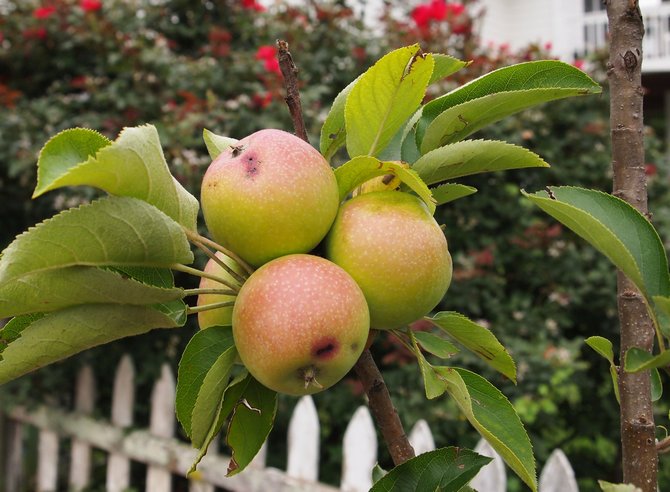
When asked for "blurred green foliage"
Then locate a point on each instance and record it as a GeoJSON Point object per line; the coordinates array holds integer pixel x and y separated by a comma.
{"type": "Point", "coordinates": [184, 66]}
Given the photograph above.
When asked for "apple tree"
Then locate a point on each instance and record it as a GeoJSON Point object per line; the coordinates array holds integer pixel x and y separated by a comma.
{"type": "Point", "coordinates": [308, 262]}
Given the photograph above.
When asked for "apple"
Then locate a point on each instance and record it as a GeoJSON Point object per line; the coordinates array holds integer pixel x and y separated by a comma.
{"type": "Point", "coordinates": [221, 316]}
{"type": "Point", "coordinates": [269, 195]}
{"type": "Point", "coordinates": [300, 323]}
{"type": "Point", "coordinates": [389, 242]}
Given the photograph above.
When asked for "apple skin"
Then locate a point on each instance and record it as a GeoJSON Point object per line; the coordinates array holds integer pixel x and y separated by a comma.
{"type": "Point", "coordinates": [389, 242]}
{"type": "Point", "coordinates": [221, 316]}
{"type": "Point", "coordinates": [270, 195]}
{"type": "Point", "coordinates": [300, 323]}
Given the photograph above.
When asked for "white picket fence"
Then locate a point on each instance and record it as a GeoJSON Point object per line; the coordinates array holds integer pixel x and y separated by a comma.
{"type": "Point", "coordinates": [166, 456]}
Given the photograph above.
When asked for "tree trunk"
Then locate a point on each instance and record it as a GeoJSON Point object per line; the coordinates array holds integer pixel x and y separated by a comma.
{"type": "Point", "coordinates": [626, 123]}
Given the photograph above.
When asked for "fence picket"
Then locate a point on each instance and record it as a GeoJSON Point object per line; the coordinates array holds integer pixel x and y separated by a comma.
{"type": "Point", "coordinates": [421, 438]}
{"type": "Point", "coordinates": [13, 480]}
{"type": "Point", "coordinates": [359, 452]}
{"type": "Point", "coordinates": [492, 477]}
{"type": "Point", "coordinates": [557, 474]}
{"type": "Point", "coordinates": [123, 401]}
{"type": "Point", "coordinates": [161, 424]}
{"type": "Point", "coordinates": [80, 455]}
{"type": "Point", "coordinates": [303, 441]}
{"type": "Point", "coordinates": [47, 461]}
{"type": "Point", "coordinates": [196, 484]}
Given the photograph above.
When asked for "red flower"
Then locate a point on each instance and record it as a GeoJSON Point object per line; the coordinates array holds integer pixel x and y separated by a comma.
{"type": "Point", "coordinates": [461, 28]}
{"type": "Point", "coordinates": [650, 169]}
{"type": "Point", "coordinates": [438, 10]}
{"type": "Point", "coordinates": [455, 8]}
{"type": "Point", "coordinates": [266, 52]}
{"type": "Point", "coordinates": [253, 5]}
{"type": "Point", "coordinates": [35, 33]}
{"type": "Point", "coordinates": [272, 65]}
{"type": "Point", "coordinates": [44, 12]}
{"type": "Point", "coordinates": [90, 5]}
{"type": "Point", "coordinates": [262, 100]}
{"type": "Point", "coordinates": [421, 15]}
{"type": "Point", "coordinates": [578, 64]}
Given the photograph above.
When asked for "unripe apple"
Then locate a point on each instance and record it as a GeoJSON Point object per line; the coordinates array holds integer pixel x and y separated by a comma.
{"type": "Point", "coordinates": [389, 242]}
{"type": "Point", "coordinates": [221, 316]}
{"type": "Point", "coordinates": [269, 195]}
{"type": "Point", "coordinates": [300, 323]}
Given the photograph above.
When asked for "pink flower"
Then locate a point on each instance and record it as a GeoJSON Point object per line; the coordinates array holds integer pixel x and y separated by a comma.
{"type": "Point", "coordinates": [266, 52]}
{"type": "Point", "coordinates": [90, 5]}
{"type": "Point", "coordinates": [44, 12]}
{"type": "Point", "coordinates": [579, 63]}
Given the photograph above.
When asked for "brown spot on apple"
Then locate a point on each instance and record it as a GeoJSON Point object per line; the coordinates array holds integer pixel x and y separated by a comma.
{"type": "Point", "coordinates": [325, 349]}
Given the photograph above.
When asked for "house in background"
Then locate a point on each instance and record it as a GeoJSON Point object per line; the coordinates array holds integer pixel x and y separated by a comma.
{"type": "Point", "coordinates": [576, 28]}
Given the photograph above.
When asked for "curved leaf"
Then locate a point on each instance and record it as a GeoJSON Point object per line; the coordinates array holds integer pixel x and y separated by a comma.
{"type": "Point", "coordinates": [250, 423]}
{"type": "Point", "coordinates": [478, 339]}
{"type": "Point", "coordinates": [362, 168]}
{"type": "Point", "coordinates": [446, 469]}
{"type": "Point", "coordinates": [435, 344]}
{"type": "Point", "coordinates": [51, 290]}
{"type": "Point", "coordinates": [117, 231]}
{"type": "Point", "coordinates": [602, 346]}
{"type": "Point", "coordinates": [614, 228]}
{"type": "Point", "coordinates": [200, 355]}
{"type": "Point", "coordinates": [448, 192]}
{"type": "Point", "coordinates": [445, 65]}
{"type": "Point", "coordinates": [494, 417]}
{"type": "Point", "coordinates": [333, 131]}
{"type": "Point", "coordinates": [133, 165]}
{"type": "Point", "coordinates": [638, 359]}
{"type": "Point", "coordinates": [495, 95]}
{"type": "Point", "coordinates": [216, 143]}
{"type": "Point", "coordinates": [61, 334]}
{"type": "Point", "coordinates": [384, 98]}
{"type": "Point", "coordinates": [472, 157]}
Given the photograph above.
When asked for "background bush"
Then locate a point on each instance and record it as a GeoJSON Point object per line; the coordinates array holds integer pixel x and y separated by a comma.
{"type": "Point", "coordinates": [184, 66]}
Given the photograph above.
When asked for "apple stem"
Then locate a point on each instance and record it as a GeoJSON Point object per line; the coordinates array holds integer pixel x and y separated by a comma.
{"type": "Point", "coordinates": [194, 237]}
{"type": "Point", "coordinates": [199, 273]}
{"type": "Point", "coordinates": [197, 292]}
{"type": "Point", "coordinates": [210, 254]}
{"type": "Point", "coordinates": [209, 307]}
{"type": "Point", "coordinates": [381, 406]}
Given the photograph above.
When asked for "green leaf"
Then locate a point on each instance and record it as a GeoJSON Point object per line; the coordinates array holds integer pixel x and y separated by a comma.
{"type": "Point", "coordinates": [231, 396]}
{"type": "Point", "coordinates": [116, 231]}
{"type": "Point", "coordinates": [133, 165]}
{"type": "Point", "coordinates": [436, 345]}
{"type": "Point", "coordinates": [333, 131]}
{"type": "Point", "coordinates": [614, 228]}
{"type": "Point", "coordinates": [638, 359]}
{"type": "Point", "coordinates": [620, 487]}
{"type": "Point", "coordinates": [216, 143]}
{"type": "Point", "coordinates": [64, 151]}
{"type": "Point", "coordinates": [448, 192]}
{"type": "Point", "coordinates": [377, 473]}
{"type": "Point", "coordinates": [603, 347]}
{"type": "Point", "coordinates": [250, 424]}
{"type": "Point", "coordinates": [384, 98]}
{"type": "Point", "coordinates": [51, 290]}
{"type": "Point", "coordinates": [477, 339]}
{"type": "Point", "coordinates": [656, 385]}
{"type": "Point", "coordinates": [64, 333]}
{"type": "Point", "coordinates": [362, 168]}
{"type": "Point", "coordinates": [445, 65]}
{"type": "Point", "coordinates": [494, 417]}
{"type": "Point", "coordinates": [200, 355]}
{"type": "Point", "coordinates": [472, 157]}
{"type": "Point", "coordinates": [433, 382]}
{"type": "Point", "coordinates": [661, 306]}
{"type": "Point", "coordinates": [210, 398]}
{"type": "Point", "coordinates": [12, 330]}
{"type": "Point", "coordinates": [446, 469]}
{"type": "Point", "coordinates": [498, 94]}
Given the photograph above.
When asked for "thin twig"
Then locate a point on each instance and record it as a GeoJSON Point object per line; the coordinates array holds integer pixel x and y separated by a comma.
{"type": "Point", "coordinates": [195, 237]}
{"type": "Point", "coordinates": [199, 273]}
{"type": "Point", "coordinates": [381, 406]}
{"type": "Point", "coordinates": [663, 446]}
{"type": "Point", "coordinates": [197, 292]}
{"type": "Point", "coordinates": [209, 307]}
{"type": "Point", "coordinates": [290, 73]}
{"type": "Point", "coordinates": [240, 279]}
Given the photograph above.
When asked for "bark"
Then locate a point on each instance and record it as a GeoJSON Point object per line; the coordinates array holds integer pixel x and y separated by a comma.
{"type": "Point", "coordinates": [639, 454]}
{"type": "Point", "coordinates": [290, 73]}
{"type": "Point", "coordinates": [383, 411]}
